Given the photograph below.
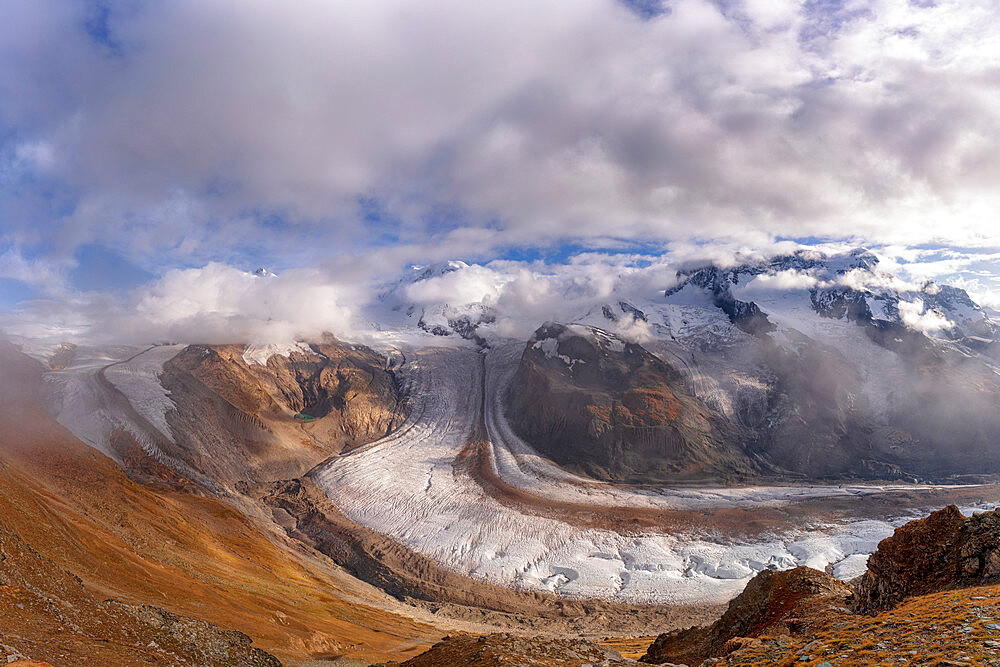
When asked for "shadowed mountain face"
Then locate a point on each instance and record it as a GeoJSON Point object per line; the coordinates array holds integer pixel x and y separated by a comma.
{"type": "Point", "coordinates": [614, 411]}
{"type": "Point", "coordinates": [789, 404]}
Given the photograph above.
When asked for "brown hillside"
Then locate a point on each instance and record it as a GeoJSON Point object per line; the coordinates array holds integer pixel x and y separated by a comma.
{"type": "Point", "coordinates": [191, 555]}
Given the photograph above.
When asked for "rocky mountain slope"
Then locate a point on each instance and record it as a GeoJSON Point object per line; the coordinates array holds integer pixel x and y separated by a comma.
{"type": "Point", "coordinates": [95, 557]}
{"type": "Point", "coordinates": [228, 418]}
{"type": "Point", "coordinates": [243, 417]}
{"type": "Point", "coordinates": [884, 378]}
{"type": "Point", "coordinates": [50, 615]}
{"type": "Point", "coordinates": [945, 550]}
{"type": "Point", "coordinates": [803, 615]}
{"type": "Point", "coordinates": [612, 410]}
{"type": "Point", "coordinates": [221, 486]}
{"type": "Point", "coordinates": [809, 366]}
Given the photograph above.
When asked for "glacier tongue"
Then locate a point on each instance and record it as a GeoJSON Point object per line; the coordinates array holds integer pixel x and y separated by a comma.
{"type": "Point", "coordinates": [407, 487]}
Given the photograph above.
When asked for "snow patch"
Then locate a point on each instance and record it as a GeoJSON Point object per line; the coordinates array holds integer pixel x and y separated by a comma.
{"type": "Point", "coordinates": [260, 353]}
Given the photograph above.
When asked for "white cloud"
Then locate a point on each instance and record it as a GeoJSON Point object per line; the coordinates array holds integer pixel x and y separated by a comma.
{"type": "Point", "coordinates": [861, 280]}
{"type": "Point", "coordinates": [39, 272]}
{"type": "Point", "coordinates": [538, 121]}
{"type": "Point", "coordinates": [218, 303]}
{"type": "Point", "coordinates": [789, 279]}
{"type": "Point", "coordinates": [214, 133]}
{"type": "Point", "coordinates": [914, 316]}
{"type": "Point", "coordinates": [471, 284]}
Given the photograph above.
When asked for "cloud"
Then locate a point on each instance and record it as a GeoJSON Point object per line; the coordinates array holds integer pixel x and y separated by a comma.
{"type": "Point", "coordinates": [470, 284]}
{"type": "Point", "coordinates": [211, 304]}
{"type": "Point", "coordinates": [34, 271]}
{"type": "Point", "coordinates": [360, 137]}
{"type": "Point", "coordinates": [220, 303]}
{"type": "Point", "coordinates": [914, 316]}
{"type": "Point", "coordinates": [789, 279]}
{"type": "Point", "coordinates": [861, 280]}
{"type": "Point", "coordinates": [215, 129]}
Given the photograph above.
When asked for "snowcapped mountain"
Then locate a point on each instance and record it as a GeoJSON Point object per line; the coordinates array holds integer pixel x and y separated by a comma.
{"type": "Point", "coordinates": [442, 299]}
{"type": "Point", "coordinates": [847, 286]}
{"type": "Point", "coordinates": [807, 292]}
{"type": "Point", "coordinates": [823, 365]}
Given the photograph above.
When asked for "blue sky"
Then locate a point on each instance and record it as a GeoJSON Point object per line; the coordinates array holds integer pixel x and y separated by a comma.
{"type": "Point", "coordinates": [356, 139]}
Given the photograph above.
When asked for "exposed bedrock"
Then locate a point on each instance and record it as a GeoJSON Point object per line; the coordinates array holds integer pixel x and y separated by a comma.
{"type": "Point", "coordinates": [772, 603]}
{"type": "Point", "coordinates": [941, 551]}
{"type": "Point", "coordinates": [938, 553]}
{"type": "Point", "coordinates": [614, 411]}
{"type": "Point", "coordinates": [246, 423]}
{"type": "Point", "coordinates": [796, 409]}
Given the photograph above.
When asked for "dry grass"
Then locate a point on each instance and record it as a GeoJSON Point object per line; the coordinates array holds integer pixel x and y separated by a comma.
{"type": "Point", "coordinates": [960, 627]}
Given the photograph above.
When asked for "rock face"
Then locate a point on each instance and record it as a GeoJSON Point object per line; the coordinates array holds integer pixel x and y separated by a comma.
{"type": "Point", "coordinates": [772, 603]}
{"type": "Point", "coordinates": [245, 423]}
{"type": "Point", "coordinates": [942, 551]}
{"type": "Point", "coordinates": [799, 408]}
{"type": "Point", "coordinates": [938, 553]}
{"type": "Point", "coordinates": [503, 649]}
{"type": "Point", "coordinates": [612, 410]}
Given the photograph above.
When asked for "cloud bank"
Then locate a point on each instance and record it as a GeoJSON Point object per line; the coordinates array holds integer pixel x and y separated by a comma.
{"type": "Point", "coordinates": [359, 137]}
{"type": "Point", "coordinates": [189, 127]}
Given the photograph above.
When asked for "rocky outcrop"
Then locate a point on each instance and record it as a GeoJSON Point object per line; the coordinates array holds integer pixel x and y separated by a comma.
{"type": "Point", "coordinates": [773, 603]}
{"type": "Point", "coordinates": [746, 315]}
{"type": "Point", "coordinates": [242, 424]}
{"type": "Point", "coordinates": [938, 553]}
{"type": "Point", "coordinates": [942, 551]}
{"type": "Point", "coordinates": [610, 409]}
{"type": "Point", "coordinates": [504, 649]}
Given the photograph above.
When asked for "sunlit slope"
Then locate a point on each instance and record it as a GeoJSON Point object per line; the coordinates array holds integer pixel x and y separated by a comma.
{"type": "Point", "coordinates": [189, 554]}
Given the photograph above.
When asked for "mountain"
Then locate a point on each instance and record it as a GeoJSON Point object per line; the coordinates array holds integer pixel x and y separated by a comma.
{"type": "Point", "coordinates": [817, 366]}
{"type": "Point", "coordinates": [607, 455]}
{"type": "Point", "coordinates": [226, 417]}
{"type": "Point", "coordinates": [610, 409]}
{"type": "Point", "coordinates": [416, 300]}
{"type": "Point", "coordinates": [275, 413]}
{"type": "Point", "coordinates": [126, 562]}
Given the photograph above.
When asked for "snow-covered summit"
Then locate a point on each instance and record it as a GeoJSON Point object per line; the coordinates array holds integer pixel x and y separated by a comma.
{"type": "Point", "coordinates": [805, 291]}
{"type": "Point", "coordinates": [764, 295]}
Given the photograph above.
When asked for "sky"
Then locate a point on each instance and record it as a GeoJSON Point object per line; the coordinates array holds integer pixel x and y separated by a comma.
{"type": "Point", "coordinates": [152, 155]}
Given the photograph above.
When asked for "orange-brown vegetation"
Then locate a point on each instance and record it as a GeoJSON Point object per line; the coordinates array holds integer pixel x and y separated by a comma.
{"type": "Point", "coordinates": [959, 627]}
{"type": "Point", "coordinates": [194, 556]}
{"type": "Point", "coordinates": [504, 649]}
{"type": "Point", "coordinates": [930, 596]}
{"type": "Point", "coordinates": [652, 407]}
